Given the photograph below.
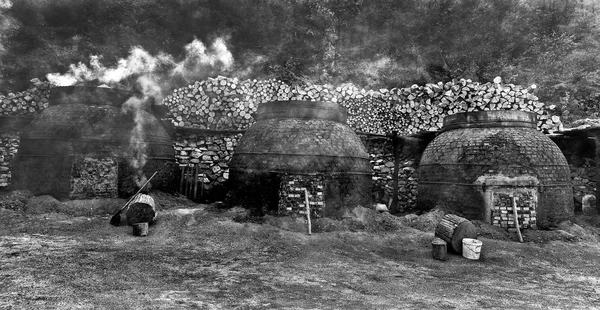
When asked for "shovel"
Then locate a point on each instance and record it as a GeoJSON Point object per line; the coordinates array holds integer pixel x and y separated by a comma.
{"type": "Point", "coordinates": [115, 220]}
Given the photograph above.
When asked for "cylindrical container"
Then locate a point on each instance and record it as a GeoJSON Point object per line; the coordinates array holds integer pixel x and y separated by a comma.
{"type": "Point", "coordinates": [453, 229]}
{"type": "Point", "coordinates": [84, 138]}
{"type": "Point", "coordinates": [471, 248]}
{"type": "Point", "coordinates": [479, 158]}
{"type": "Point", "coordinates": [141, 210]}
{"type": "Point", "coordinates": [301, 138]}
{"type": "Point", "coordinates": [140, 229]}
{"type": "Point", "coordinates": [439, 249]}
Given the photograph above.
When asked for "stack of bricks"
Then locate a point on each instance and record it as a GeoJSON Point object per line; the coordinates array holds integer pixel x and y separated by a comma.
{"type": "Point", "coordinates": [292, 199]}
{"type": "Point", "coordinates": [210, 153]}
{"type": "Point", "coordinates": [503, 212]}
{"type": "Point", "coordinates": [9, 144]}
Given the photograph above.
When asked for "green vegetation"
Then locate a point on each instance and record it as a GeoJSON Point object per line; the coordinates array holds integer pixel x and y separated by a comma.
{"type": "Point", "coordinates": [554, 44]}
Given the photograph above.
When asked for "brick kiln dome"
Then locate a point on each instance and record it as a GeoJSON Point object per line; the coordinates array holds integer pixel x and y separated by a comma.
{"type": "Point", "coordinates": [83, 139]}
{"type": "Point", "coordinates": [302, 138]}
{"type": "Point", "coordinates": [480, 160]}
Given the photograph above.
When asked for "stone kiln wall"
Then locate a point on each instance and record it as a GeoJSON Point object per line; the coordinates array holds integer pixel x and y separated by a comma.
{"type": "Point", "coordinates": [453, 164]}
{"type": "Point", "coordinates": [94, 177]}
{"type": "Point", "coordinates": [228, 103]}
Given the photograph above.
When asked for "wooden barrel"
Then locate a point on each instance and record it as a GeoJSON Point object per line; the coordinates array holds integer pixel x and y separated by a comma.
{"type": "Point", "coordinates": [452, 229]}
{"type": "Point", "coordinates": [141, 210]}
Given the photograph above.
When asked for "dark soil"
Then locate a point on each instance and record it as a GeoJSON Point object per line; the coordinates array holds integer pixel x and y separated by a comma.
{"type": "Point", "coordinates": [65, 255]}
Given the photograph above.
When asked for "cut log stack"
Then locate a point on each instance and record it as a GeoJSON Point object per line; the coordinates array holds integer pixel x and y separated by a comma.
{"type": "Point", "coordinates": [9, 144]}
{"type": "Point", "coordinates": [382, 162]}
{"type": "Point", "coordinates": [31, 101]}
{"type": "Point", "coordinates": [211, 154]}
{"type": "Point", "coordinates": [228, 103]}
{"type": "Point", "coordinates": [584, 179]}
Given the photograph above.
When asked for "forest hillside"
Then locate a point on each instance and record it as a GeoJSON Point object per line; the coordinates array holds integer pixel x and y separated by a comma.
{"type": "Point", "coordinates": [552, 44]}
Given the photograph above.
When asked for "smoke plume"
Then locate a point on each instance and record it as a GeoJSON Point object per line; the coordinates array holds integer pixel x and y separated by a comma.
{"type": "Point", "coordinates": [199, 62]}
{"type": "Point", "coordinates": [6, 22]}
{"type": "Point", "coordinates": [151, 76]}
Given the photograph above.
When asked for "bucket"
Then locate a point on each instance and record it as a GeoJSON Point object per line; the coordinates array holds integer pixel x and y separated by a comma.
{"type": "Point", "coordinates": [471, 248]}
{"type": "Point", "coordinates": [439, 249]}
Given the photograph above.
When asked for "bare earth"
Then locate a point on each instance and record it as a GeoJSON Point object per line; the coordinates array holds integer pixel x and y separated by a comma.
{"type": "Point", "coordinates": [57, 255]}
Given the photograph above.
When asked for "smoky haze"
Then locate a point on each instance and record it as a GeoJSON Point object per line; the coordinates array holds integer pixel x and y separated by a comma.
{"type": "Point", "coordinates": [151, 76]}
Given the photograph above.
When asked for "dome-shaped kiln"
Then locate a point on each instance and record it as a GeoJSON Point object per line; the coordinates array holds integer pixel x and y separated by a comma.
{"type": "Point", "coordinates": [79, 147]}
{"type": "Point", "coordinates": [482, 164]}
{"type": "Point", "coordinates": [301, 138]}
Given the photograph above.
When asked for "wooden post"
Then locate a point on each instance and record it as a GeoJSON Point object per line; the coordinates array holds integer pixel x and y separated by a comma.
{"type": "Point", "coordinates": [516, 216]}
{"type": "Point", "coordinates": [397, 149]}
{"type": "Point", "coordinates": [195, 195]}
{"type": "Point", "coordinates": [597, 137]}
{"type": "Point", "coordinates": [307, 210]}
{"type": "Point", "coordinates": [181, 179]}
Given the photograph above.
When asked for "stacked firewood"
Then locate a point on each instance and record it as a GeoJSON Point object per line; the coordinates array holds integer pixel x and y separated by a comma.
{"type": "Point", "coordinates": [382, 162]}
{"type": "Point", "coordinates": [583, 177]}
{"type": "Point", "coordinates": [211, 154]}
{"type": "Point", "coordinates": [229, 103]}
{"type": "Point", "coordinates": [9, 144]}
{"type": "Point", "coordinates": [33, 100]}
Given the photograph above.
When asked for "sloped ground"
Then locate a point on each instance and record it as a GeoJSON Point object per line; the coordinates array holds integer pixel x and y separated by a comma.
{"type": "Point", "coordinates": [66, 256]}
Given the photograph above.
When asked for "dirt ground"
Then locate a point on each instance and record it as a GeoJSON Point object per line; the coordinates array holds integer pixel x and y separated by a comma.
{"type": "Point", "coordinates": [65, 255]}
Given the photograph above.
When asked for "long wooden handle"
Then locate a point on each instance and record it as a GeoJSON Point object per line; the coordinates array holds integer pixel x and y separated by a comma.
{"type": "Point", "coordinates": [139, 190]}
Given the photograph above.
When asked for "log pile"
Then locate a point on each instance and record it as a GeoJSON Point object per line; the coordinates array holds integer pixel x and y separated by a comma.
{"type": "Point", "coordinates": [94, 177]}
{"type": "Point", "coordinates": [31, 101]}
{"type": "Point", "coordinates": [8, 150]}
{"type": "Point", "coordinates": [228, 103]}
{"type": "Point", "coordinates": [583, 177]}
{"type": "Point", "coordinates": [211, 154]}
{"type": "Point", "coordinates": [382, 161]}
{"type": "Point", "coordinates": [9, 144]}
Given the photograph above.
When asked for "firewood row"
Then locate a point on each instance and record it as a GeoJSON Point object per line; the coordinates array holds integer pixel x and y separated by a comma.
{"type": "Point", "coordinates": [229, 103]}
{"type": "Point", "coordinates": [211, 154]}
{"type": "Point", "coordinates": [382, 162]}
{"type": "Point", "coordinates": [28, 102]}
{"type": "Point", "coordinates": [584, 179]}
{"type": "Point", "coordinates": [9, 144]}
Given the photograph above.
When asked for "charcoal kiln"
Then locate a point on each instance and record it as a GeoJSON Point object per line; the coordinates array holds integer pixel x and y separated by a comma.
{"type": "Point", "coordinates": [298, 145]}
{"type": "Point", "coordinates": [79, 147]}
{"type": "Point", "coordinates": [485, 164]}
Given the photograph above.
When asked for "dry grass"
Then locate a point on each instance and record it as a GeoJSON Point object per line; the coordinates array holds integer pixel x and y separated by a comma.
{"type": "Point", "coordinates": [199, 257]}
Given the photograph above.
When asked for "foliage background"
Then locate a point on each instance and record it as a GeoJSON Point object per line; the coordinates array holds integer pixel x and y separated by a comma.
{"type": "Point", "coordinates": [554, 44]}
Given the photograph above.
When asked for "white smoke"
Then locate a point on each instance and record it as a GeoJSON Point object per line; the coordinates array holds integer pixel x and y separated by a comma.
{"type": "Point", "coordinates": [5, 4]}
{"type": "Point", "coordinates": [152, 75]}
{"type": "Point", "coordinates": [6, 22]}
{"type": "Point", "coordinates": [199, 62]}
